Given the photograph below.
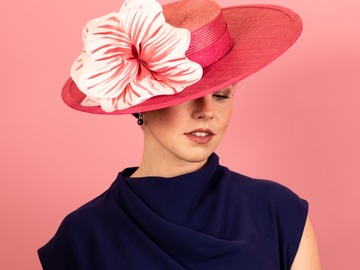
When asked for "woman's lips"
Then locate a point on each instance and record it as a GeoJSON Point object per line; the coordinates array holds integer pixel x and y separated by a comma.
{"type": "Point", "coordinates": [200, 136]}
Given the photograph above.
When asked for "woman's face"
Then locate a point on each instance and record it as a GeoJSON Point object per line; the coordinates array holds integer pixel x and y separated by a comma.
{"type": "Point", "coordinates": [188, 132]}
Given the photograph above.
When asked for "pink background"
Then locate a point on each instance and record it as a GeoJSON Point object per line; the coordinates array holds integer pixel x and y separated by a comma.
{"type": "Point", "coordinates": [296, 122]}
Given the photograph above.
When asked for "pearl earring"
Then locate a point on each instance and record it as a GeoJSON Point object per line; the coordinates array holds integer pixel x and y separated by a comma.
{"type": "Point", "coordinates": [140, 120]}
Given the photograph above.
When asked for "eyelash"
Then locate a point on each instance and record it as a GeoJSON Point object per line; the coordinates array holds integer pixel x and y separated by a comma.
{"type": "Point", "coordinates": [220, 97]}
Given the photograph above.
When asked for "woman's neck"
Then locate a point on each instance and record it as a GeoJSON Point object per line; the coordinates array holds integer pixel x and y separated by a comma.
{"type": "Point", "coordinates": [158, 165]}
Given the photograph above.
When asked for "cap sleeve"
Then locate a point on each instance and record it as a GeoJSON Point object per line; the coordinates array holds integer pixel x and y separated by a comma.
{"type": "Point", "coordinates": [59, 252]}
{"type": "Point", "coordinates": [290, 213]}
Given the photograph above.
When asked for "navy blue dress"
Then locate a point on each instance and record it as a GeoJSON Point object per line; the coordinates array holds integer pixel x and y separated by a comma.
{"type": "Point", "coordinates": [211, 219]}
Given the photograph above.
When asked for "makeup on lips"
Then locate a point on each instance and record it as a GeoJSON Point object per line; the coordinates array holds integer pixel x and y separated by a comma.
{"type": "Point", "coordinates": [201, 136]}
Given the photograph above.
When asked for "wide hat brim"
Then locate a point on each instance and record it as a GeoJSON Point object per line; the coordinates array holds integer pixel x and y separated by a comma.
{"type": "Point", "coordinates": [261, 33]}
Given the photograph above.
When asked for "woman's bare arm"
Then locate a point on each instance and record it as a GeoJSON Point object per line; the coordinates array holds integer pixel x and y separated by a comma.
{"type": "Point", "coordinates": [307, 256]}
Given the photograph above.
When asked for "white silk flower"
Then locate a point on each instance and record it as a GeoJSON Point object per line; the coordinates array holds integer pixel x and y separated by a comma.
{"type": "Point", "coordinates": [131, 56]}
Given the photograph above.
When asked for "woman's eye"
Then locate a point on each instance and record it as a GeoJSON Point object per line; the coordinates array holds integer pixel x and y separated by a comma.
{"type": "Point", "coordinates": [220, 96]}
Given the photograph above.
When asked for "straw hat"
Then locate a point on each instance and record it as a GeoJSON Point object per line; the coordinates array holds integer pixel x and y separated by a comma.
{"type": "Point", "coordinates": [147, 56]}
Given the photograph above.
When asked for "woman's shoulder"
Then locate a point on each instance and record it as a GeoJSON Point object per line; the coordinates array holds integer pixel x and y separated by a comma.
{"type": "Point", "coordinates": [276, 211]}
{"type": "Point", "coordinates": [79, 230]}
{"type": "Point", "coordinates": [261, 188]}
{"type": "Point", "coordinates": [267, 197]}
{"type": "Point", "coordinates": [92, 212]}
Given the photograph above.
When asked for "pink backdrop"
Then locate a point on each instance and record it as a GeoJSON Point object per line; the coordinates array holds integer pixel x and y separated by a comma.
{"type": "Point", "coordinates": [296, 122]}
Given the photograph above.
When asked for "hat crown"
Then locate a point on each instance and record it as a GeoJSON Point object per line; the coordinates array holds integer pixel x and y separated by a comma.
{"type": "Point", "coordinates": [210, 38]}
{"type": "Point", "coordinates": [191, 14]}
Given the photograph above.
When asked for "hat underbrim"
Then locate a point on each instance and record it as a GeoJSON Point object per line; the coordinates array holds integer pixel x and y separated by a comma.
{"type": "Point", "coordinates": [261, 34]}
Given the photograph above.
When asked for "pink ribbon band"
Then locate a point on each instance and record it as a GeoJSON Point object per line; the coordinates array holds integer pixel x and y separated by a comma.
{"type": "Point", "coordinates": [211, 42]}
{"type": "Point", "coordinates": [213, 52]}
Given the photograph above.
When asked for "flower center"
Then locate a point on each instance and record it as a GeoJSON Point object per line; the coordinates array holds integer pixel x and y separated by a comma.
{"type": "Point", "coordinates": [134, 52]}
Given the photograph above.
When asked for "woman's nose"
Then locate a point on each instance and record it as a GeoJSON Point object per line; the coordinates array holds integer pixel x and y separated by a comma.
{"type": "Point", "coordinates": [204, 108]}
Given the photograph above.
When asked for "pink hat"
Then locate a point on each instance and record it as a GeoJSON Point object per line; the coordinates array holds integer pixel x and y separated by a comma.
{"type": "Point", "coordinates": [147, 56]}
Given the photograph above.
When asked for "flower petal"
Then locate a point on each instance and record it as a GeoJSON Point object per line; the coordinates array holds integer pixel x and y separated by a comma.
{"type": "Point", "coordinates": [131, 56]}
{"type": "Point", "coordinates": [106, 54]}
{"type": "Point", "coordinates": [141, 19]}
{"type": "Point", "coordinates": [164, 55]}
{"type": "Point", "coordinates": [168, 43]}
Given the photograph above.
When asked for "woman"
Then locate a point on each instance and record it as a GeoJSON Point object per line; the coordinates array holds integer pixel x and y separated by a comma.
{"type": "Point", "coordinates": [175, 68]}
